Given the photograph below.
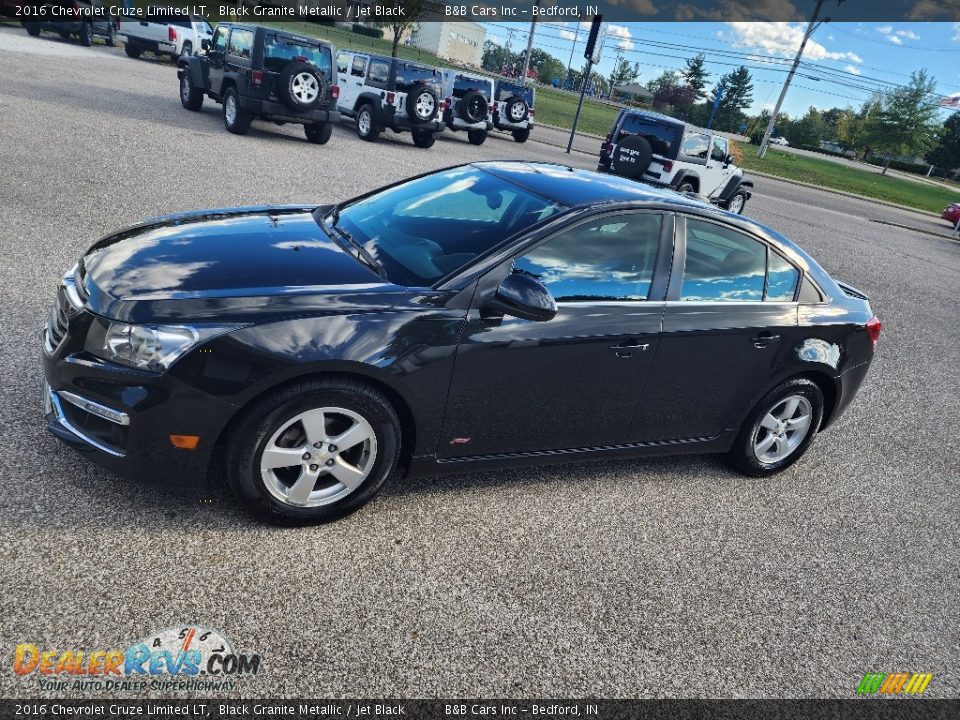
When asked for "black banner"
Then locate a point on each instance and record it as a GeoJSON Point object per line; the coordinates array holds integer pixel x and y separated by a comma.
{"type": "Point", "coordinates": [522, 11]}
{"type": "Point", "coordinates": [892, 709]}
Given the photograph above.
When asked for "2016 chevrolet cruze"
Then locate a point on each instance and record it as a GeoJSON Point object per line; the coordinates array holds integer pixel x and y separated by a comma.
{"type": "Point", "coordinates": [485, 315]}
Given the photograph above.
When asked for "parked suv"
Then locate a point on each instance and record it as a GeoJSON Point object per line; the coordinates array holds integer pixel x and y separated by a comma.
{"type": "Point", "coordinates": [382, 93]}
{"type": "Point", "coordinates": [90, 18]}
{"type": "Point", "coordinates": [175, 37]}
{"type": "Point", "coordinates": [513, 109]}
{"type": "Point", "coordinates": [666, 152]}
{"type": "Point", "coordinates": [468, 101]}
{"type": "Point", "coordinates": [255, 71]}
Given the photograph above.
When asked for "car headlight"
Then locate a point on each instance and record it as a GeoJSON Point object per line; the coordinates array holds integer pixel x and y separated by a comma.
{"type": "Point", "coordinates": [150, 347]}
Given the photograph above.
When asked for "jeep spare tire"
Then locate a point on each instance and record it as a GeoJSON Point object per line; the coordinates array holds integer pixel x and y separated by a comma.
{"type": "Point", "coordinates": [632, 157]}
{"type": "Point", "coordinates": [422, 103]}
{"type": "Point", "coordinates": [473, 107]}
{"type": "Point", "coordinates": [517, 109]}
{"type": "Point", "coordinates": [302, 86]}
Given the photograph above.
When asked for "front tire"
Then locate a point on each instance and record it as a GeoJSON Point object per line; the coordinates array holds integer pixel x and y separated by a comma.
{"type": "Point", "coordinates": [319, 133]}
{"type": "Point", "coordinates": [235, 120]}
{"type": "Point", "coordinates": [313, 452]}
{"type": "Point", "coordinates": [190, 97]}
{"type": "Point", "coordinates": [736, 202]}
{"type": "Point", "coordinates": [779, 429]}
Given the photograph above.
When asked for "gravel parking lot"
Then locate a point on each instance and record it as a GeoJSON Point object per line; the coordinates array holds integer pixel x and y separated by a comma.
{"type": "Point", "coordinates": [666, 577]}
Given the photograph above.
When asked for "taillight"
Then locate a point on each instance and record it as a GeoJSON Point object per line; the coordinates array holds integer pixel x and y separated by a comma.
{"type": "Point", "coordinates": [257, 77]}
{"type": "Point", "coordinates": [874, 326]}
{"type": "Point", "coordinates": [390, 98]}
{"type": "Point", "coordinates": [334, 91]}
{"type": "Point", "coordinates": [668, 165]}
{"type": "Point", "coordinates": [172, 34]}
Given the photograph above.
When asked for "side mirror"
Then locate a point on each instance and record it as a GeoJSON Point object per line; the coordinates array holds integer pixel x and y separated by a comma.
{"type": "Point", "coordinates": [524, 297]}
{"type": "Point", "coordinates": [728, 160]}
{"type": "Point", "coordinates": [205, 44]}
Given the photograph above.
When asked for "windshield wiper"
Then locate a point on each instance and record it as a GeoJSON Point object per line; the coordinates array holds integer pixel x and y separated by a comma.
{"type": "Point", "coordinates": [362, 255]}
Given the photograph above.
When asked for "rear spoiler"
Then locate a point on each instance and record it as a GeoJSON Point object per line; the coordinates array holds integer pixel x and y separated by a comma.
{"type": "Point", "coordinates": [852, 292]}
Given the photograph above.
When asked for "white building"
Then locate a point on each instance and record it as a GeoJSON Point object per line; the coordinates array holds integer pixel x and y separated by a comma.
{"type": "Point", "coordinates": [457, 41]}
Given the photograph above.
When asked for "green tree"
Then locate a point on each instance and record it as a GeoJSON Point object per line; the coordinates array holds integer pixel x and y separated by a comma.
{"type": "Point", "coordinates": [623, 73]}
{"type": "Point", "coordinates": [670, 94]}
{"type": "Point", "coordinates": [906, 123]}
{"type": "Point", "coordinates": [737, 94]}
{"type": "Point", "coordinates": [548, 67]}
{"type": "Point", "coordinates": [413, 11]}
{"type": "Point", "coordinates": [695, 76]}
{"type": "Point", "coordinates": [496, 58]}
{"type": "Point", "coordinates": [946, 154]}
{"type": "Point", "coordinates": [808, 130]}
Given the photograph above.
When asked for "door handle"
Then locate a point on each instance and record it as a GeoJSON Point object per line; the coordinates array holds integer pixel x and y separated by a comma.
{"type": "Point", "coordinates": [626, 348]}
{"type": "Point", "coordinates": [764, 339]}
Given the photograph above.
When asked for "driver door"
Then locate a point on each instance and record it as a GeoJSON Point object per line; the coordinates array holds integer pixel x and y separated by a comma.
{"type": "Point", "coordinates": [573, 381]}
{"type": "Point", "coordinates": [718, 170]}
{"type": "Point", "coordinates": [217, 57]}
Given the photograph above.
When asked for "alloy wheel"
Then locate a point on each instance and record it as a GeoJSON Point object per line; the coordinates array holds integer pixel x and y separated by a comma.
{"type": "Point", "coordinates": [304, 87]}
{"type": "Point", "coordinates": [736, 204]}
{"type": "Point", "coordinates": [783, 429]}
{"type": "Point", "coordinates": [318, 457]}
{"type": "Point", "coordinates": [363, 122]}
{"type": "Point", "coordinates": [230, 110]}
{"type": "Point", "coordinates": [425, 106]}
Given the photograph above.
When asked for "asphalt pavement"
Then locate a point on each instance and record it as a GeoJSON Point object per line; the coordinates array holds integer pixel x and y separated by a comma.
{"type": "Point", "coordinates": [649, 578]}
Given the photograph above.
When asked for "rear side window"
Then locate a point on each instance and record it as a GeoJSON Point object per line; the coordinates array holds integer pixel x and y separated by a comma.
{"type": "Point", "coordinates": [664, 139]}
{"type": "Point", "coordinates": [695, 145]}
{"type": "Point", "coordinates": [379, 73]}
{"type": "Point", "coordinates": [611, 259]}
{"type": "Point", "coordinates": [279, 50]}
{"type": "Point", "coordinates": [241, 44]}
{"type": "Point", "coordinates": [722, 265]}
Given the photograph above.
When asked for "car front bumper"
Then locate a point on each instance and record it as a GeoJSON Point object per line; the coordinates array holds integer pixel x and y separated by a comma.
{"type": "Point", "coordinates": [277, 111]}
{"type": "Point", "coordinates": [122, 419]}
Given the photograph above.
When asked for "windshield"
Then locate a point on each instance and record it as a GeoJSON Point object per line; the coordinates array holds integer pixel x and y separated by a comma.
{"type": "Point", "coordinates": [279, 50]}
{"type": "Point", "coordinates": [427, 228]}
{"type": "Point", "coordinates": [505, 91]}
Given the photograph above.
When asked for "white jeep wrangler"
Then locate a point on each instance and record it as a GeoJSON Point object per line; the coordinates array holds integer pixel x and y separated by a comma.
{"type": "Point", "coordinates": [513, 109]}
{"type": "Point", "coordinates": [468, 103]}
{"type": "Point", "coordinates": [382, 93]}
{"type": "Point", "coordinates": [666, 152]}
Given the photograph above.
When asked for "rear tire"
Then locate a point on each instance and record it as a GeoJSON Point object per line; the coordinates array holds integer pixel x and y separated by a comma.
{"type": "Point", "coordinates": [33, 30]}
{"type": "Point", "coordinates": [185, 51]}
{"type": "Point", "coordinates": [476, 137]}
{"type": "Point", "coordinates": [366, 124]}
{"type": "Point", "coordinates": [319, 133]}
{"type": "Point", "coordinates": [271, 426]}
{"type": "Point", "coordinates": [424, 138]}
{"type": "Point", "coordinates": [86, 34]}
{"type": "Point", "coordinates": [111, 39]}
{"type": "Point", "coordinates": [235, 120]}
{"type": "Point", "coordinates": [770, 439]}
{"type": "Point", "coordinates": [521, 135]}
{"type": "Point", "coordinates": [132, 50]}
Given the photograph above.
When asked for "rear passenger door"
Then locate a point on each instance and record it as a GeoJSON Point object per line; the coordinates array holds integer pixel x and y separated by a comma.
{"type": "Point", "coordinates": [729, 320]}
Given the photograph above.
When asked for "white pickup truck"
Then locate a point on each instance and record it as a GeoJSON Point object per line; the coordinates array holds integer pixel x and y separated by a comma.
{"type": "Point", "coordinates": [176, 37]}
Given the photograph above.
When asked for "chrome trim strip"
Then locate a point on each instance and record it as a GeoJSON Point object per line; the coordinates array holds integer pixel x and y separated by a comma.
{"type": "Point", "coordinates": [102, 411]}
{"type": "Point", "coordinates": [62, 419]}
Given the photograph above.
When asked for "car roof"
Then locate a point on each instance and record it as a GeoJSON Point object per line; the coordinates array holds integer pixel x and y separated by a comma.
{"type": "Point", "coordinates": [574, 187]}
{"type": "Point", "coordinates": [655, 116]}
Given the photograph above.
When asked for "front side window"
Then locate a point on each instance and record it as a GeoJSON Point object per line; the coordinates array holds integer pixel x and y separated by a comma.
{"type": "Point", "coordinates": [722, 265]}
{"type": "Point", "coordinates": [604, 260]}
{"type": "Point", "coordinates": [241, 43]}
{"type": "Point", "coordinates": [424, 229]}
{"type": "Point", "coordinates": [220, 39]}
{"type": "Point", "coordinates": [695, 145]}
{"type": "Point", "coordinates": [342, 62]}
{"type": "Point", "coordinates": [719, 152]}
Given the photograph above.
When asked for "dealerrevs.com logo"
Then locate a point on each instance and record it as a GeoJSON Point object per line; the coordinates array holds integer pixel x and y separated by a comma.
{"type": "Point", "coordinates": [188, 658]}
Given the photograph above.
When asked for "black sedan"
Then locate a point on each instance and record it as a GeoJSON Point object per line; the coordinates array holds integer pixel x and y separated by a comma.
{"type": "Point", "coordinates": [487, 315]}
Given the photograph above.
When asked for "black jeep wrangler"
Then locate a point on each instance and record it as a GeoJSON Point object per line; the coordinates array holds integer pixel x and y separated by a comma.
{"type": "Point", "coordinates": [256, 71]}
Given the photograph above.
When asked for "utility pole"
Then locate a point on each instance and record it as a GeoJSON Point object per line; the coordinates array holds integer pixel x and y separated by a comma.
{"type": "Point", "coordinates": [506, 49]}
{"type": "Point", "coordinates": [813, 25]}
{"type": "Point", "coordinates": [533, 29]}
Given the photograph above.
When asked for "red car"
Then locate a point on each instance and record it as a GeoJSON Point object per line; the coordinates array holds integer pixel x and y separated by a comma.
{"type": "Point", "coordinates": [952, 213]}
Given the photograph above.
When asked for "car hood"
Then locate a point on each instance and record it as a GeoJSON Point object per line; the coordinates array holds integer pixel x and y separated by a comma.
{"type": "Point", "coordinates": [228, 265]}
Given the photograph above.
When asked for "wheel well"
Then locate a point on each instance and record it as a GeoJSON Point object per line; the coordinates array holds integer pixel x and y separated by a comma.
{"type": "Point", "coordinates": [692, 179]}
{"type": "Point", "coordinates": [227, 83]}
{"type": "Point", "coordinates": [825, 383]}
{"type": "Point", "coordinates": [408, 429]}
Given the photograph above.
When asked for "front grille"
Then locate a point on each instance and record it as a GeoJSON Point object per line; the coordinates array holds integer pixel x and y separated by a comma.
{"type": "Point", "coordinates": [58, 322]}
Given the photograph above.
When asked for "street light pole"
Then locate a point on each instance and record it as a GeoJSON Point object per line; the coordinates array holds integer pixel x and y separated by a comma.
{"type": "Point", "coordinates": [576, 36]}
{"type": "Point", "coordinates": [813, 25]}
{"type": "Point", "coordinates": [533, 28]}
